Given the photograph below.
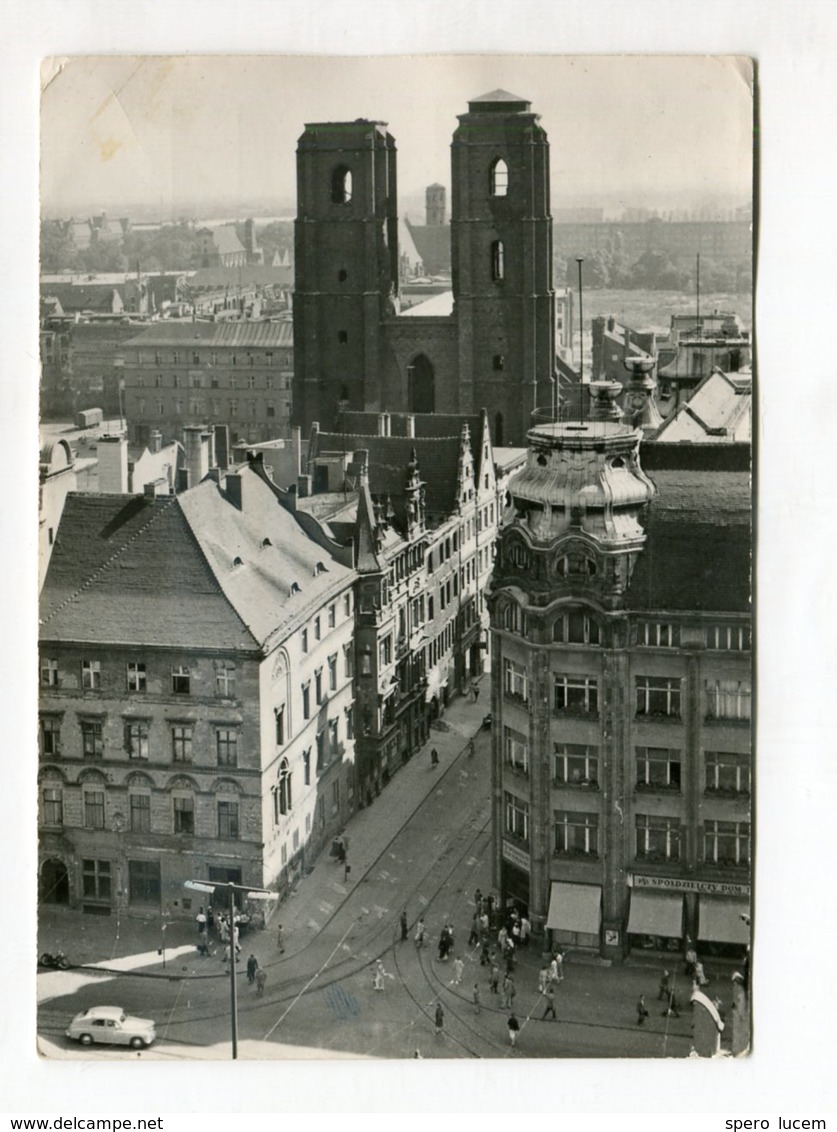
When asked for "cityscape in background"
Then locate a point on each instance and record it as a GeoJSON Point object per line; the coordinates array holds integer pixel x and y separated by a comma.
{"type": "Point", "coordinates": [395, 569]}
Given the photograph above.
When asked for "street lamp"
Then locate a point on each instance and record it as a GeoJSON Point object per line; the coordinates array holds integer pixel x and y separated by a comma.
{"type": "Point", "coordinates": [252, 894]}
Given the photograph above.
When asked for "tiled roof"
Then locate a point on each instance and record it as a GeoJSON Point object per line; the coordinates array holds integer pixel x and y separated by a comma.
{"type": "Point", "coordinates": [226, 240]}
{"type": "Point", "coordinates": [256, 274]}
{"type": "Point", "coordinates": [165, 572]}
{"type": "Point", "coordinates": [698, 553]}
{"type": "Point", "coordinates": [260, 334]}
{"type": "Point", "coordinates": [433, 245]}
{"type": "Point", "coordinates": [437, 306]}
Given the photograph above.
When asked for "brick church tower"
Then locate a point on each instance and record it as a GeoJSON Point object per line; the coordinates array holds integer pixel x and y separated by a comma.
{"type": "Point", "coordinates": [501, 256]}
{"type": "Point", "coordinates": [346, 272]}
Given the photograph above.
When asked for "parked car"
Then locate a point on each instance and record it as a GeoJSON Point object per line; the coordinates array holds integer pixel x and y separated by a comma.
{"type": "Point", "coordinates": [111, 1026]}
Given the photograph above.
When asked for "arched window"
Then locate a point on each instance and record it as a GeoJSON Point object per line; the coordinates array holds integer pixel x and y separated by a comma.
{"type": "Point", "coordinates": [341, 185]}
{"type": "Point", "coordinates": [282, 794]}
{"type": "Point", "coordinates": [499, 178]}
{"type": "Point", "coordinates": [498, 264]}
{"type": "Point", "coordinates": [576, 628]}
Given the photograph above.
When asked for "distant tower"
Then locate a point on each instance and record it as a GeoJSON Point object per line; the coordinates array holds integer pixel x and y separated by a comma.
{"type": "Point", "coordinates": [436, 206]}
{"type": "Point", "coordinates": [501, 255]}
{"type": "Point", "coordinates": [346, 266]}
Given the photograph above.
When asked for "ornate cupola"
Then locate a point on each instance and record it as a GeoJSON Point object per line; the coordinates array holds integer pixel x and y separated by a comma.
{"type": "Point", "coordinates": [571, 521]}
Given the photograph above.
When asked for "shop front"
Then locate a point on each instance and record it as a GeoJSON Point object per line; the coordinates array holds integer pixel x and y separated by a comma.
{"type": "Point", "coordinates": [575, 914]}
{"type": "Point", "coordinates": [655, 920]}
{"type": "Point", "coordinates": [664, 912]}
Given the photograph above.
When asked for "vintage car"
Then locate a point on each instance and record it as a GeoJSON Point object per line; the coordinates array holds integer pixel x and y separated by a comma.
{"type": "Point", "coordinates": [112, 1026]}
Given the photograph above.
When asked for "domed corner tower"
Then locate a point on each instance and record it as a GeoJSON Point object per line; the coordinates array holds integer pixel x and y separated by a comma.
{"type": "Point", "coordinates": [501, 263]}
{"type": "Point", "coordinates": [571, 537]}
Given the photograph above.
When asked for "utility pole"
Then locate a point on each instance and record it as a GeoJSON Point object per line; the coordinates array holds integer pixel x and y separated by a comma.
{"type": "Point", "coordinates": [252, 894]}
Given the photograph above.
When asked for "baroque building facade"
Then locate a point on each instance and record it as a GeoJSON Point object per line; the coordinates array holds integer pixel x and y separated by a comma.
{"type": "Point", "coordinates": [621, 633]}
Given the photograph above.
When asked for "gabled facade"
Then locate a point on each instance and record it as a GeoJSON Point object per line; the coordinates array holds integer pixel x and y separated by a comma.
{"type": "Point", "coordinates": [195, 696]}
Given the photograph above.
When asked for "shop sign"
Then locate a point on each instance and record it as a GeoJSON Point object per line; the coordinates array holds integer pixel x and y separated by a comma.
{"type": "Point", "coordinates": [674, 884]}
{"type": "Point", "coordinates": [515, 856]}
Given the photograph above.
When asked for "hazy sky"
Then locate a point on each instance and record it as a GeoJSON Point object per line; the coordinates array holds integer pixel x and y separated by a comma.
{"type": "Point", "coordinates": [159, 129]}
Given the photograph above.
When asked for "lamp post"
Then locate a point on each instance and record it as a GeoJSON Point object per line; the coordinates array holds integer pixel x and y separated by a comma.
{"type": "Point", "coordinates": [252, 894]}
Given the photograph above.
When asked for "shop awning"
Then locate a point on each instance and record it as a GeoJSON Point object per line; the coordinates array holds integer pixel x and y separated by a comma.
{"type": "Point", "coordinates": [720, 920]}
{"type": "Point", "coordinates": [575, 907]}
{"type": "Point", "coordinates": [656, 913]}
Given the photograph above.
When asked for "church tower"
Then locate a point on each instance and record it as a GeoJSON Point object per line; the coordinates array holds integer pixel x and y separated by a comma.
{"type": "Point", "coordinates": [346, 269]}
{"type": "Point", "coordinates": [501, 256]}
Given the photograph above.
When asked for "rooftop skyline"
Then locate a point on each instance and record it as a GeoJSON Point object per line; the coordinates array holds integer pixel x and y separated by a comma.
{"type": "Point", "coordinates": [168, 130]}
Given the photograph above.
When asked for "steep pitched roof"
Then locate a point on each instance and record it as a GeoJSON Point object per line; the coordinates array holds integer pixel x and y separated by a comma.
{"type": "Point", "coordinates": [433, 245]}
{"type": "Point", "coordinates": [226, 240]}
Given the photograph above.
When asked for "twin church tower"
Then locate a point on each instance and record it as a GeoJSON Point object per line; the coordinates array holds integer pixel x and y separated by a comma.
{"type": "Point", "coordinates": [494, 349]}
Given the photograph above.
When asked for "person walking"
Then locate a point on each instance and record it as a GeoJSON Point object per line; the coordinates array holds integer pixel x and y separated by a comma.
{"type": "Point", "coordinates": [252, 967]}
{"type": "Point", "coordinates": [543, 978]}
{"type": "Point", "coordinates": [200, 920]}
{"type": "Point", "coordinates": [514, 1029]}
{"type": "Point", "coordinates": [641, 1011]}
{"type": "Point", "coordinates": [549, 994]}
{"type": "Point", "coordinates": [559, 966]}
{"type": "Point", "coordinates": [440, 1020]}
{"type": "Point", "coordinates": [476, 998]}
{"type": "Point", "coordinates": [474, 936]}
{"type": "Point", "coordinates": [525, 931]}
{"type": "Point", "coordinates": [379, 976]}
{"type": "Point", "coordinates": [494, 979]}
{"type": "Point", "coordinates": [472, 750]}
{"type": "Point", "coordinates": [280, 939]}
{"type": "Point", "coordinates": [475, 688]}
{"type": "Point", "coordinates": [458, 971]}
{"type": "Point", "coordinates": [671, 1005]}
{"type": "Point", "coordinates": [484, 952]}
{"type": "Point", "coordinates": [509, 991]}
{"type": "Point", "coordinates": [402, 919]}
{"type": "Point", "coordinates": [665, 986]}
{"type": "Point", "coordinates": [434, 757]}
{"type": "Point", "coordinates": [261, 979]}
{"type": "Point", "coordinates": [420, 930]}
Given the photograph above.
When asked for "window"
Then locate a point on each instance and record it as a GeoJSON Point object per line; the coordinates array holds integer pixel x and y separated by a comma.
{"type": "Point", "coordinates": [732, 638]}
{"type": "Point", "coordinates": [726, 843]}
{"type": "Point", "coordinates": [135, 676]}
{"type": "Point", "coordinates": [349, 659]}
{"type": "Point", "coordinates": [49, 673]}
{"type": "Point", "coordinates": [498, 362]}
{"type": "Point", "coordinates": [658, 695]}
{"type": "Point", "coordinates": [728, 699]}
{"type": "Point", "coordinates": [175, 358]}
{"type": "Point", "coordinates": [306, 700]}
{"type": "Point", "coordinates": [94, 809]}
{"type": "Point", "coordinates": [304, 639]}
{"type": "Point", "coordinates": [727, 773]}
{"type": "Point", "coordinates": [184, 815]}
{"type": "Point", "coordinates": [50, 735]}
{"type": "Point", "coordinates": [576, 834]}
{"type": "Point", "coordinates": [575, 693]}
{"type": "Point", "coordinates": [92, 742]}
{"type": "Point", "coordinates": [576, 628]}
{"type": "Point", "coordinates": [285, 799]}
{"type": "Point", "coordinates": [95, 879]}
{"type": "Point", "coordinates": [350, 723]}
{"type": "Point", "coordinates": [498, 265]}
{"type": "Point", "coordinates": [516, 750]}
{"type": "Point", "coordinates": [271, 407]}
{"type": "Point", "coordinates": [228, 820]}
{"type": "Point", "coordinates": [498, 180]}
{"type": "Point", "coordinates": [280, 725]}
{"type": "Point", "coordinates": [251, 382]}
{"type": "Point", "coordinates": [342, 337]}
{"type": "Point", "coordinates": [657, 838]}
{"type": "Point", "coordinates": [317, 627]}
{"type": "Point", "coordinates": [91, 674]}
{"type": "Point", "coordinates": [181, 743]}
{"type": "Point", "coordinates": [225, 679]}
{"type": "Point", "coordinates": [332, 673]}
{"type": "Point", "coordinates": [341, 185]}
{"type": "Point", "coordinates": [136, 739]}
{"type": "Point", "coordinates": [517, 817]}
{"type": "Point", "coordinates": [53, 806]}
{"type": "Point", "coordinates": [575, 764]}
{"type": "Point", "coordinates": [180, 679]}
{"type": "Point", "coordinates": [333, 738]}
{"type": "Point", "coordinates": [139, 813]}
{"type": "Point", "coordinates": [386, 650]}
{"type": "Point", "coordinates": [268, 358]}
{"type": "Point", "coordinates": [196, 360]}
{"type": "Point", "coordinates": [335, 798]}
{"type": "Point", "coordinates": [657, 768]}
{"type": "Point", "coordinates": [515, 681]}
{"type": "Point", "coordinates": [332, 616]}
{"type": "Point", "coordinates": [514, 619]}
{"type": "Point", "coordinates": [226, 743]}
{"type": "Point", "coordinates": [347, 604]}
{"type": "Point", "coordinates": [318, 685]}
{"type": "Point", "coordinates": [659, 634]}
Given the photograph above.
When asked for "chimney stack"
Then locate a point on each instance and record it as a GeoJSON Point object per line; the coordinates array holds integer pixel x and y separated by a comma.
{"type": "Point", "coordinates": [113, 464]}
{"type": "Point", "coordinates": [155, 441]}
{"type": "Point", "coordinates": [196, 444]}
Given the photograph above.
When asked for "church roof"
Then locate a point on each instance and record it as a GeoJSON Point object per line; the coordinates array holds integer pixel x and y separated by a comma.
{"type": "Point", "coordinates": [499, 95]}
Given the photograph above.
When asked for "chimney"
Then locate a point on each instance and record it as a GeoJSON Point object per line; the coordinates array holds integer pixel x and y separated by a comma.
{"type": "Point", "coordinates": [222, 446]}
{"type": "Point", "coordinates": [303, 490]}
{"type": "Point", "coordinates": [155, 441]}
{"type": "Point", "coordinates": [296, 445]}
{"type": "Point", "coordinates": [234, 486]}
{"type": "Point", "coordinates": [181, 481]}
{"type": "Point", "coordinates": [113, 464]}
{"type": "Point", "coordinates": [196, 444]}
{"type": "Point", "coordinates": [156, 487]}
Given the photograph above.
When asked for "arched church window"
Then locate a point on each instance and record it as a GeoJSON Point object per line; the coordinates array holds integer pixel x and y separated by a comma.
{"type": "Point", "coordinates": [341, 185]}
{"type": "Point", "coordinates": [499, 178]}
{"type": "Point", "coordinates": [284, 787]}
{"type": "Point", "coordinates": [498, 260]}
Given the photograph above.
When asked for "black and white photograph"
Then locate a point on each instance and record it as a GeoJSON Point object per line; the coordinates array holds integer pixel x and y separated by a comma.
{"type": "Point", "coordinates": [417, 660]}
{"type": "Point", "coordinates": [396, 583]}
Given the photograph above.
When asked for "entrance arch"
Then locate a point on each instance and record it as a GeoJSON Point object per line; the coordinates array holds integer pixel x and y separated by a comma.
{"type": "Point", "coordinates": [421, 385]}
{"type": "Point", "coordinates": [55, 882]}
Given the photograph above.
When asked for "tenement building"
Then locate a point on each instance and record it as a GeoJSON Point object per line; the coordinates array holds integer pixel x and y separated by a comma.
{"type": "Point", "coordinates": [620, 614]}
{"type": "Point", "coordinates": [488, 345]}
{"type": "Point", "coordinates": [195, 695]}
